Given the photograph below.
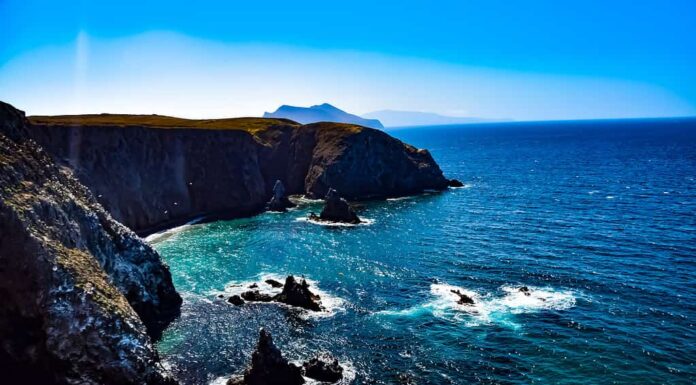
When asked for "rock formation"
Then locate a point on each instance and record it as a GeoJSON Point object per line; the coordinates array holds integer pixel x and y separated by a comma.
{"type": "Point", "coordinates": [81, 294]}
{"type": "Point", "coordinates": [236, 300]}
{"type": "Point", "coordinates": [152, 172]}
{"type": "Point", "coordinates": [455, 183]}
{"type": "Point", "coordinates": [336, 209]}
{"type": "Point", "coordinates": [274, 283]}
{"type": "Point", "coordinates": [256, 296]}
{"type": "Point", "coordinates": [268, 366]}
{"type": "Point", "coordinates": [324, 367]}
{"type": "Point", "coordinates": [298, 294]}
{"type": "Point", "coordinates": [279, 201]}
{"type": "Point", "coordinates": [463, 298]}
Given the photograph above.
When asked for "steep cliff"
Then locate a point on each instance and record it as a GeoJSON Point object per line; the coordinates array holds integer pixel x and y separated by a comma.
{"type": "Point", "coordinates": [80, 292]}
{"type": "Point", "coordinates": [151, 172]}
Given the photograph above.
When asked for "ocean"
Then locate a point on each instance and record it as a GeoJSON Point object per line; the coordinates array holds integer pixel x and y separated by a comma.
{"type": "Point", "coordinates": [597, 219]}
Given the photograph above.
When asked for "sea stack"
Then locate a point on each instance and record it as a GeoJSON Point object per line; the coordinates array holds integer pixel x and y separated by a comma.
{"type": "Point", "coordinates": [279, 201]}
{"type": "Point", "coordinates": [268, 366]}
{"type": "Point", "coordinates": [337, 209]}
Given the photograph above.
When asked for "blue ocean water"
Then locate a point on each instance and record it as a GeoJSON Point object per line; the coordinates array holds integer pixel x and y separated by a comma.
{"type": "Point", "coordinates": [596, 218]}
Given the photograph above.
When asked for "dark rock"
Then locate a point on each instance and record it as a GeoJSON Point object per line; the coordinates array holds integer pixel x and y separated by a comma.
{"type": "Point", "coordinates": [279, 201]}
{"type": "Point", "coordinates": [81, 295]}
{"type": "Point", "coordinates": [337, 209]}
{"type": "Point", "coordinates": [274, 283]}
{"type": "Point", "coordinates": [236, 300]}
{"type": "Point", "coordinates": [525, 290]}
{"type": "Point", "coordinates": [454, 183]}
{"type": "Point", "coordinates": [268, 366]}
{"type": "Point", "coordinates": [463, 298]}
{"type": "Point", "coordinates": [324, 367]}
{"type": "Point", "coordinates": [256, 296]}
{"type": "Point", "coordinates": [150, 177]}
{"type": "Point", "coordinates": [253, 286]}
{"type": "Point", "coordinates": [297, 294]}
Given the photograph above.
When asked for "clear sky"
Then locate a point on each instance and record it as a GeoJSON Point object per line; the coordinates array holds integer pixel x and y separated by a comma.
{"type": "Point", "coordinates": [523, 60]}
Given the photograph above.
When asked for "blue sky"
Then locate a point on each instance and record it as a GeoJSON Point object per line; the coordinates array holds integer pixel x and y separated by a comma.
{"type": "Point", "coordinates": [523, 60]}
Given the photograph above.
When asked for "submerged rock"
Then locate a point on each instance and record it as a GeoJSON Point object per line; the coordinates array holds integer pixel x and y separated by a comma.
{"type": "Point", "coordinates": [324, 367]}
{"type": "Point", "coordinates": [525, 290]}
{"type": "Point", "coordinates": [274, 283]}
{"type": "Point", "coordinates": [336, 209]}
{"type": "Point", "coordinates": [256, 296]}
{"type": "Point", "coordinates": [455, 183]}
{"type": "Point", "coordinates": [279, 201]}
{"type": "Point", "coordinates": [236, 300]}
{"type": "Point", "coordinates": [297, 294]}
{"type": "Point", "coordinates": [268, 366]}
{"type": "Point", "coordinates": [463, 298]}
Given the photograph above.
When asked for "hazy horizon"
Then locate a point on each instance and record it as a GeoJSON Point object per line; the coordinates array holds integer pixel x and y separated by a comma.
{"type": "Point", "coordinates": [496, 62]}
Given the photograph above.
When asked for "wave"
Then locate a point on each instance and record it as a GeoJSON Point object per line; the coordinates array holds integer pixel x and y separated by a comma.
{"type": "Point", "coordinates": [487, 308]}
{"type": "Point", "coordinates": [332, 304]}
{"type": "Point", "coordinates": [364, 222]}
{"type": "Point", "coordinates": [165, 234]}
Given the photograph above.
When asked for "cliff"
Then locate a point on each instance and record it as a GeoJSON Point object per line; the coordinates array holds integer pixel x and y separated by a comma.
{"type": "Point", "coordinates": [151, 172]}
{"type": "Point", "coordinates": [321, 113]}
{"type": "Point", "coordinates": [81, 293]}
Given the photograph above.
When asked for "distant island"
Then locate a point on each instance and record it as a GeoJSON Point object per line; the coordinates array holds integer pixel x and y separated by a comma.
{"type": "Point", "coordinates": [321, 113]}
{"type": "Point", "coordinates": [393, 118]}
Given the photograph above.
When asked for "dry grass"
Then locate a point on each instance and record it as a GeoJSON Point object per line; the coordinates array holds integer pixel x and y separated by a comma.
{"type": "Point", "coordinates": [251, 125]}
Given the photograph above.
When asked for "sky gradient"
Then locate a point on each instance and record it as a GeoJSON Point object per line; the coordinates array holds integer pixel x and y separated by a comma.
{"type": "Point", "coordinates": [530, 60]}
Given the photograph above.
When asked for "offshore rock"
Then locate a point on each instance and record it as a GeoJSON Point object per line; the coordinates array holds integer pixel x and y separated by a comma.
{"type": "Point", "coordinates": [463, 298]}
{"type": "Point", "coordinates": [274, 283]}
{"type": "Point", "coordinates": [337, 209]}
{"type": "Point", "coordinates": [81, 294]}
{"type": "Point", "coordinates": [455, 183]}
{"type": "Point", "coordinates": [279, 201]}
{"type": "Point", "coordinates": [236, 300]}
{"type": "Point", "coordinates": [268, 366]}
{"type": "Point", "coordinates": [298, 294]}
{"type": "Point", "coordinates": [324, 367]}
{"type": "Point", "coordinates": [256, 296]}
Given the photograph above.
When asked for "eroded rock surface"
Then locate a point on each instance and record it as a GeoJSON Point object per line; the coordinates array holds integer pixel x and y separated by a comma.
{"type": "Point", "coordinates": [298, 294]}
{"type": "Point", "coordinates": [324, 367]}
{"type": "Point", "coordinates": [279, 201]}
{"type": "Point", "coordinates": [152, 172]}
{"type": "Point", "coordinates": [81, 294]}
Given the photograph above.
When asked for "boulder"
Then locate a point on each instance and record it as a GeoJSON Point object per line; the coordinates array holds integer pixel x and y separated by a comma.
{"type": "Point", "coordinates": [274, 283]}
{"type": "Point", "coordinates": [236, 300]}
{"type": "Point", "coordinates": [279, 201]}
{"type": "Point", "coordinates": [525, 290]}
{"type": "Point", "coordinates": [454, 183]}
{"type": "Point", "coordinates": [337, 209]}
{"type": "Point", "coordinates": [256, 296]}
{"type": "Point", "coordinates": [268, 366]}
{"type": "Point", "coordinates": [324, 367]}
{"type": "Point", "coordinates": [463, 298]}
{"type": "Point", "coordinates": [297, 294]}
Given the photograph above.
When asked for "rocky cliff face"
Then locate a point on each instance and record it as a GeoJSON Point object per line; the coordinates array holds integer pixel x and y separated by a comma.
{"type": "Point", "coordinates": [81, 293]}
{"type": "Point", "coordinates": [151, 174]}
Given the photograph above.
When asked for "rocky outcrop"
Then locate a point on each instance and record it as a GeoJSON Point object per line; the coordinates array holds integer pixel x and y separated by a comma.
{"type": "Point", "coordinates": [81, 294]}
{"type": "Point", "coordinates": [455, 183]}
{"type": "Point", "coordinates": [324, 368]}
{"type": "Point", "coordinates": [298, 294]}
{"type": "Point", "coordinates": [336, 209]}
{"type": "Point", "coordinates": [463, 298]}
{"type": "Point", "coordinates": [268, 366]}
{"type": "Point", "coordinates": [152, 171]}
{"type": "Point", "coordinates": [279, 201]}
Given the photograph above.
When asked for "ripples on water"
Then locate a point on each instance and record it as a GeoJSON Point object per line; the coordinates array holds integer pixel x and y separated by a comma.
{"type": "Point", "coordinates": [598, 220]}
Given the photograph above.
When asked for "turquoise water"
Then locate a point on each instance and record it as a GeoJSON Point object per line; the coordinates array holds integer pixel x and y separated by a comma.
{"type": "Point", "coordinates": [597, 219]}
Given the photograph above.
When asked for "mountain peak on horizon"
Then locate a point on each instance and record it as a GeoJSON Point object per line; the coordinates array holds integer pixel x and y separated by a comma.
{"type": "Point", "coordinates": [324, 112]}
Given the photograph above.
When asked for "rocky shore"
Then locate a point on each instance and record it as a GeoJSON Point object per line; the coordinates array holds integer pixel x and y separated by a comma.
{"type": "Point", "coordinates": [82, 295]}
{"type": "Point", "coordinates": [153, 172]}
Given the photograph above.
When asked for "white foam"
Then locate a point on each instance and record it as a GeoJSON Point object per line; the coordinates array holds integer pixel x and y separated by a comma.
{"type": "Point", "coordinates": [331, 303]}
{"type": "Point", "coordinates": [487, 308]}
{"type": "Point", "coordinates": [162, 235]}
{"type": "Point", "coordinates": [303, 200]}
{"type": "Point", "coordinates": [363, 222]}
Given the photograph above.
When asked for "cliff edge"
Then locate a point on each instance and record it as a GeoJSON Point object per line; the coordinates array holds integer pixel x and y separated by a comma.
{"type": "Point", "coordinates": [151, 172]}
{"type": "Point", "coordinates": [81, 294]}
